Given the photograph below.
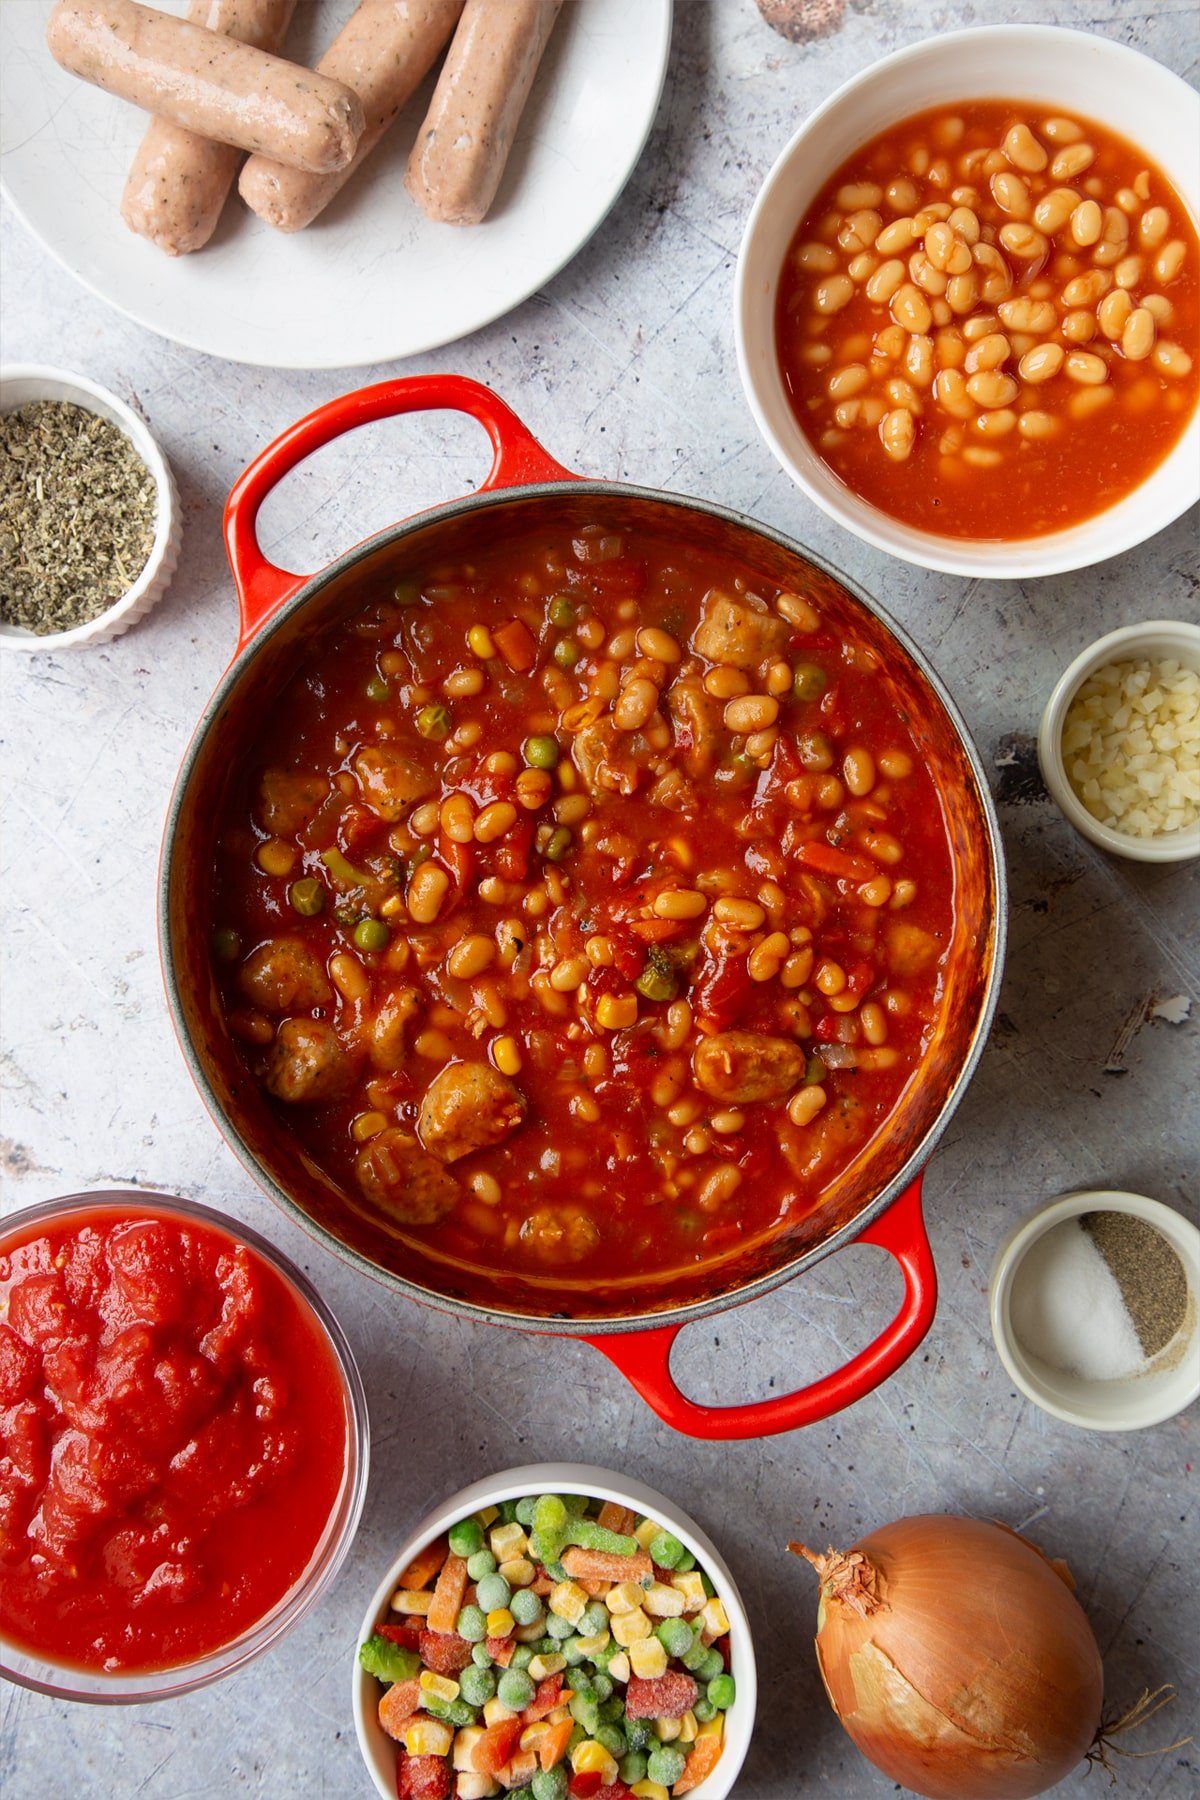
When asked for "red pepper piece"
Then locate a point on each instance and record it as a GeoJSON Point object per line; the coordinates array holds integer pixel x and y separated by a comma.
{"type": "Point", "coordinates": [660, 931]}
{"type": "Point", "coordinates": [544, 1700]}
{"type": "Point", "coordinates": [828, 861]}
{"type": "Point", "coordinates": [444, 1652]}
{"type": "Point", "coordinates": [423, 1778]}
{"type": "Point", "coordinates": [512, 852]}
{"type": "Point", "coordinates": [496, 1746]}
{"type": "Point", "coordinates": [459, 862]}
{"type": "Point", "coordinates": [586, 1785]}
{"type": "Point", "coordinates": [826, 1029]}
{"type": "Point", "coordinates": [717, 997]}
{"type": "Point", "coordinates": [407, 1636]}
{"type": "Point", "coordinates": [667, 1696]}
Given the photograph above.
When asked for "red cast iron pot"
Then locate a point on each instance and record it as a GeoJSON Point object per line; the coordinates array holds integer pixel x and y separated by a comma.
{"type": "Point", "coordinates": [876, 1201]}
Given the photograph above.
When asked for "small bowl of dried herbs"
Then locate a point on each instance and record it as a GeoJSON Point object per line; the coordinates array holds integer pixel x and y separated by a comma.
{"type": "Point", "coordinates": [1094, 1307]}
{"type": "Point", "coordinates": [89, 514]}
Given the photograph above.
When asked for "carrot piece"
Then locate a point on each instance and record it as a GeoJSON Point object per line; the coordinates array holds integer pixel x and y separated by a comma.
{"type": "Point", "coordinates": [828, 861]}
{"type": "Point", "coordinates": [618, 1518]}
{"type": "Point", "coordinates": [398, 1706]}
{"type": "Point", "coordinates": [492, 1751]}
{"type": "Point", "coordinates": [516, 644]}
{"type": "Point", "coordinates": [448, 1595]}
{"type": "Point", "coordinates": [552, 1745]}
{"type": "Point", "coordinates": [501, 1650]}
{"type": "Point", "coordinates": [703, 1758]}
{"type": "Point", "coordinates": [425, 1564]}
{"type": "Point", "coordinates": [601, 1565]}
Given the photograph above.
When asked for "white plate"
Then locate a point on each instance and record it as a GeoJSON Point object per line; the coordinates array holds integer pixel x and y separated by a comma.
{"type": "Point", "coordinates": [372, 279]}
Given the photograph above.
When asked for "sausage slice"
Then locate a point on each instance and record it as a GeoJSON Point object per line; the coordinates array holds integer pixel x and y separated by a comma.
{"type": "Point", "coordinates": [467, 1107]}
{"type": "Point", "coordinates": [405, 1181]}
{"type": "Point", "coordinates": [747, 1065]}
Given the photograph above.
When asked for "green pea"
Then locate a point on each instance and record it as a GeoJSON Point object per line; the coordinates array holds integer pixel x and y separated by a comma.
{"type": "Point", "coordinates": [525, 1507]}
{"type": "Point", "coordinates": [722, 1691]}
{"type": "Point", "coordinates": [593, 1621]}
{"type": "Point", "coordinates": [540, 753]}
{"type": "Point", "coordinates": [612, 1738]}
{"type": "Point", "coordinates": [675, 1636]}
{"type": "Point", "coordinates": [481, 1656]}
{"type": "Point", "coordinates": [602, 1685]}
{"type": "Point", "coordinates": [686, 1563]}
{"type": "Point", "coordinates": [808, 681]}
{"type": "Point", "coordinates": [476, 1685]}
{"type": "Point", "coordinates": [433, 722]}
{"type": "Point", "coordinates": [665, 1549]}
{"type": "Point", "coordinates": [377, 688]}
{"type": "Point", "coordinates": [712, 1666]}
{"type": "Point", "coordinates": [639, 1735]}
{"type": "Point", "coordinates": [493, 1592]}
{"type": "Point", "coordinates": [515, 1689]}
{"type": "Point", "coordinates": [562, 611]}
{"type": "Point", "coordinates": [508, 1512]}
{"type": "Point", "coordinates": [372, 934]}
{"type": "Point", "coordinates": [525, 1607]}
{"type": "Point", "coordinates": [550, 1784]}
{"type": "Point", "coordinates": [658, 981]}
{"type": "Point", "coordinates": [703, 1710]}
{"type": "Point", "coordinates": [471, 1624]}
{"type": "Point", "coordinates": [566, 653]}
{"type": "Point", "coordinates": [632, 1767]}
{"type": "Point", "coordinates": [307, 896]}
{"type": "Point", "coordinates": [559, 1628]}
{"type": "Point", "coordinates": [522, 1656]}
{"type": "Point", "coordinates": [815, 1072]}
{"type": "Point", "coordinates": [226, 944]}
{"type": "Point", "coordinates": [558, 844]}
{"type": "Point", "coordinates": [466, 1537]}
{"type": "Point", "coordinates": [665, 1765]}
{"type": "Point", "coordinates": [480, 1564]}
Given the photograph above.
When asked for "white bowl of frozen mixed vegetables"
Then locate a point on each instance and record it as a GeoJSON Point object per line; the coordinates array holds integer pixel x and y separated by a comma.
{"type": "Point", "coordinates": [555, 1633]}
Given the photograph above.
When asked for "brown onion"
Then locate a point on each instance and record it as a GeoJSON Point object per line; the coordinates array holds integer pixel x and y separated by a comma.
{"type": "Point", "coordinates": [957, 1658]}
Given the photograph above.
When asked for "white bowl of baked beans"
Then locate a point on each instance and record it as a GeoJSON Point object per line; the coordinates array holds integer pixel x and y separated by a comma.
{"type": "Point", "coordinates": [968, 299]}
{"type": "Point", "coordinates": [1119, 742]}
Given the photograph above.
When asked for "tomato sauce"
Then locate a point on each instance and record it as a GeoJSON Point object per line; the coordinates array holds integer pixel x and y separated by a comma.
{"type": "Point", "coordinates": [174, 1439]}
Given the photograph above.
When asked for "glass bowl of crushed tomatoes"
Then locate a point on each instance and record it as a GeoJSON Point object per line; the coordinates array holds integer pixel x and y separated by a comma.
{"type": "Point", "coordinates": [186, 1446]}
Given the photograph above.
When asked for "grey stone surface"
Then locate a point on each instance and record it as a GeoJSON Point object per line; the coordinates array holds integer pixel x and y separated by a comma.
{"type": "Point", "coordinates": [624, 366]}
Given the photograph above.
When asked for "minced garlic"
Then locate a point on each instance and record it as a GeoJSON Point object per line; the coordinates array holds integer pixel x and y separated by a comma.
{"type": "Point", "coordinates": [1131, 746]}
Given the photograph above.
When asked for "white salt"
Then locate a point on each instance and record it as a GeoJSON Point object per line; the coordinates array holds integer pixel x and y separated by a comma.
{"type": "Point", "coordinates": [1068, 1310]}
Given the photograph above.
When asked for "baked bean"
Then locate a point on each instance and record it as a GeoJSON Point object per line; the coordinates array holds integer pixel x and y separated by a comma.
{"type": "Point", "coordinates": [884, 281]}
{"type": "Point", "coordinates": [798, 612]}
{"type": "Point", "coordinates": [1022, 314]}
{"type": "Point", "coordinates": [816, 355]}
{"type": "Point", "coordinates": [979, 458]}
{"type": "Point", "coordinates": [930, 280]}
{"type": "Point", "coordinates": [1085, 367]}
{"type": "Point", "coordinates": [1079, 327]}
{"type": "Point", "coordinates": [753, 712]}
{"type": "Point", "coordinates": [940, 240]}
{"type": "Point", "coordinates": [470, 956]}
{"type": "Point", "coordinates": [658, 644]}
{"type": "Point", "coordinates": [1054, 209]}
{"type": "Point", "coordinates": [1128, 271]}
{"type": "Point", "coordinates": [858, 769]}
{"type": "Point", "coordinates": [635, 705]}
{"type": "Point", "coordinates": [1072, 161]}
{"type": "Point", "coordinates": [426, 890]}
{"type": "Point", "coordinates": [805, 1104]}
{"type": "Point", "coordinates": [892, 341]}
{"type": "Point", "coordinates": [1060, 130]}
{"type": "Point", "coordinates": [859, 230]}
{"type": "Point", "coordinates": [1112, 313]}
{"type": "Point", "coordinates": [950, 390]}
{"type": "Point", "coordinates": [1089, 400]}
{"type": "Point", "coordinates": [458, 818]}
{"type": "Point", "coordinates": [996, 280]}
{"type": "Point", "coordinates": [1011, 194]}
{"type": "Point", "coordinates": [494, 820]}
{"type": "Point", "coordinates": [1170, 260]}
{"type": "Point", "coordinates": [897, 434]}
{"type": "Point", "coordinates": [744, 915]}
{"type": "Point", "coordinates": [1024, 242]}
{"type": "Point", "coordinates": [996, 424]}
{"type": "Point", "coordinates": [1160, 306]}
{"type": "Point", "coordinates": [910, 309]}
{"type": "Point", "coordinates": [1128, 201]}
{"type": "Point", "coordinates": [1171, 359]}
{"type": "Point", "coordinates": [1037, 425]}
{"type": "Point", "coordinates": [902, 195]}
{"type": "Point", "coordinates": [1085, 290]}
{"type": "Point", "coordinates": [949, 350]}
{"type": "Point", "coordinates": [817, 259]}
{"type": "Point", "coordinates": [862, 266]}
{"type": "Point", "coordinates": [1023, 150]}
{"type": "Point", "coordinates": [1141, 184]}
{"type": "Point", "coordinates": [1153, 226]}
{"type": "Point", "coordinates": [991, 389]}
{"type": "Point", "coordinates": [859, 193]}
{"type": "Point", "coordinates": [1086, 223]}
{"type": "Point", "coordinates": [842, 385]}
{"type": "Point", "coordinates": [965, 223]}
{"type": "Point", "coordinates": [918, 360]}
{"type": "Point", "coordinates": [767, 957]}
{"type": "Point", "coordinates": [833, 293]}
{"type": "Point", "coordinates": [902, 393]}
{"type": "Point", "coordinates": [988, 352]}
{"type": "Point", "coordinates": [900, 235]}
{"type": "Point", "coordinates": [1041, 363]}
{"type": "Point", "coordinates": [1138, 335]}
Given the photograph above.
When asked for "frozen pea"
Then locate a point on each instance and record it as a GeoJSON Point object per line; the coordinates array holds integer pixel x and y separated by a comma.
{"type": "Point", "coordinates": [639, 1734]}
{"type": "Point", "coordinates": [675, 1636]}
{"type": "Point", "coordinates": [576, 1504]}
{"type": "Point", "coordinates": [476, 1685]}
{"type": "Point", "coordinates": [508, 1512]}
{"type": "Point", "coordinates": [593, 1620]}
{"type": "Point", "coordinates": [559, 1628]}
{"type": "Point", "coordinates": [722, 1691]}
{"type": "Point", "coordinates": [703, 1710]}
{"type": "Point", "coordinates": [665, 1765]}
{"type": "Point", "coordinates": [602, 1686]}
{"type": "Point", "coordinates": [550, 1784]}
{"type": "Point", "coordinates": [525, 1509]}
{"type": "Point", "coordinates": [632, 1767]}
{"type": "Point", "coordinates": [612, 1738]}
{"type": "Point", "coordinates": [466, 1537]}
{"type": "Point", "coordinates": [522, 1656]}
{"type": "Point", "coordinates": [481, 1564]}
{"type": "Point", "coordinates": [493, 1592]}
{"type": "Point", "coordinates": [686, 1563]}
{"type": "Point", "coordinates": [612, 1710]}
{"type": "Point", "coordinates": [573, 1651]}
{"type": "Point", "coordinates": [549, 1514]}
{"type": "Point", "coordinates": [712, 1666]}
{"type": "Point", "coordinates": [666, 1549]}
{"type": "Point", "coordinates": [515, 1689]}
{"type": "Point", "coordinates": [471, 1624]}
{"type": "Point", "coordinates": [709, 1589]}
{"type": "Point", "coordinates": [481, 1656]}
{"type": "Point", "coordinates": [693, 1658]}
{"type": "Point", "coordinates": [585, 1711]}
{"type": "Point", "coordinates": [525, 1606]}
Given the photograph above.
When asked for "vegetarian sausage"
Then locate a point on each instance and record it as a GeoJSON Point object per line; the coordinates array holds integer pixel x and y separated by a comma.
{"type": "Point", "coordinates": [741, 1066]}
{"type": "Point", "coordinates": [307, 1063]}
{"type": "Point", "coordinates": [739, 632]}
{"type": "Point", "coordinates": [283, 974]}
{"type": "Point", "coordinates": [467, 1106]}
{"type": "Point", "coordinates": [464, 143]}
{"type": "Point", "coordinates": [405, 1181]}
{"type": "Point", "coordinates": [208, 83]}
{"type": "Point", "coordinates": [179, 182]}
{"type": "Point", "coordinates": [385, 49]}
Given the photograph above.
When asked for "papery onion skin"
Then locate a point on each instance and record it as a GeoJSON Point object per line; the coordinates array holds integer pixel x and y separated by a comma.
{"type": "Point", "coordinates": [957, 1659]}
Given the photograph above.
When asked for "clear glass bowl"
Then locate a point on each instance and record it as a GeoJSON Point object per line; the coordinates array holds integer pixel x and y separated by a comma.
{"type": "Point", "coordinates": [66, 1682]}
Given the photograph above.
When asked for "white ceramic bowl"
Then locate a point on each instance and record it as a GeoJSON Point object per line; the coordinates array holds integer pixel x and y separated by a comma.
{"type": "Point", "coordinates": [20, 385]}
{"type": "Point", "coordinates": [1132, 643]}
{"type": "Point", "coordinates": [1172, 1380]}
{"type": "Point", "coordinates": [379, 1751]}
{"type": "Point", "coordinates": [1071, 70]}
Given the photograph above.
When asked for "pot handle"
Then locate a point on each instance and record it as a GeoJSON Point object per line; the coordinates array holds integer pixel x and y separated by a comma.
{"type": "Point", "coordinates": [644, 1357]}
{"type": "Point", "coordinates": [517, 457]}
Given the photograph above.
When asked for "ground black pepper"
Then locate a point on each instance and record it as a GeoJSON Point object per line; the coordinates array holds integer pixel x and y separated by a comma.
{"type": "Point", "coordinates": [1151, 1278]}
{"type": "Point", "coordinates": [77, 514]}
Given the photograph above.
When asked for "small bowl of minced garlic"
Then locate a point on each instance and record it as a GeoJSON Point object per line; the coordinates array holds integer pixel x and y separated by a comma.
{"type": "Point", "coordinates": [89, 513]}
{"type": "Point", "coordinates": [1119, 744]}
{"type": "Point", "coordinates": [1094, 1304]}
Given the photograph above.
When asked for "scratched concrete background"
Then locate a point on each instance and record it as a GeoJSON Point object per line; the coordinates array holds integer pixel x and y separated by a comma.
{"type": "Point", "coordinates": [625, 367]}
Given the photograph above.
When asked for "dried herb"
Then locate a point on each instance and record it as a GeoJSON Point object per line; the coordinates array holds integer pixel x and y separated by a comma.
{"type": "Point", "coordinates": [77, 512]}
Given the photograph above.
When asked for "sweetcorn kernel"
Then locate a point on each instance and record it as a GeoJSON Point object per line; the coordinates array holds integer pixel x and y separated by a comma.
{"type": "Point", "coordinates": [500, 1622]}
{"type": "Point", "coordinates": [518, 1572]}
{"type": "Point", "coordinates": [666, 1730]}
{"type": "Point", "coordinates": [688, 1728]}
{"type": "Point", "coordinates": [440, 1686]}
{"type": "Point", "coordinates": [508, 1541]}
{"type": "Point", "coordinates": [569, 1601]}
{"type": "Point", "coordinates": [624, 1597]}
{"type": "Point", "coordinates": [592, 1646]}
{"type": "Point", "coordinates": [411, 1601]}
{"type": "Point", "coordinates": [630, 1628]}
{"type": "Point", "coordinates": [662, 1601]}
{"type": "Point", "coordinates": [716, 1619]}
{"type": "Point", "coordinates": [648, 1658]}
{"type": "Point", "coordinates": [591, 1757]}
{"type": "Point", "coordinates": [543, 1666]}
{"type": "Point", "coordinates": [650, 1790]}
{"type": "Point", "coordinates": [618, 1666]}
{"type": "Point", "coordinates": [464, 1746]}
{"type": "Point", "coordinates": [646, 1532]}
{"type": "Point", "coordinates": [427, 1737]}
{"type": "Point", "coordinates": [495, 1712]}
{"type": "Point", "coordinates": [691, 1586]}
